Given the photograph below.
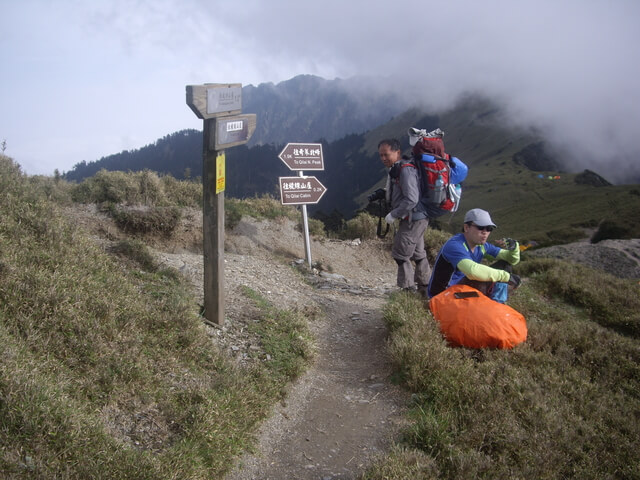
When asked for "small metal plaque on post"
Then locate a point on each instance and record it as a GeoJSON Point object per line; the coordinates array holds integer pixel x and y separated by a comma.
{"type": "Point", "coordinates": [232, 131]}
{"type": "Point", "coordinates": [300, 190]}
{"type": "Point", "coordinates": [303, 156]}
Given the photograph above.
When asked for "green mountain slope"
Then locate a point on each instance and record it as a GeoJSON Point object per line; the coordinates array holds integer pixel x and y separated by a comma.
{"type": "Point", "coordinates": [527, 206]}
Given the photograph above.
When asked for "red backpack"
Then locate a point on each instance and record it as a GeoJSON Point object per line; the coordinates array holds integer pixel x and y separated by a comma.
{"type": "Point", "coordinates": [439, 195]}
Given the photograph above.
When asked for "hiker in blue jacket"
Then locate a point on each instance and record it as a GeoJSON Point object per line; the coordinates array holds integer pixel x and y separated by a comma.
{"type": "Point", "coordinates": [460, 260]}
{"type": "Point", "coordinates": [403, 194]}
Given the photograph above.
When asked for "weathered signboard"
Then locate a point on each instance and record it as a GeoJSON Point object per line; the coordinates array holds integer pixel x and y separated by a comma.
{"type": "Point", "coordinates": [215, 99]}
{"type": "Point", "coordinates": [301, 190]}
{"type": "Point", "coordinates": [303, 156]}
{"type": "Point", "coordinates": [232, 131]}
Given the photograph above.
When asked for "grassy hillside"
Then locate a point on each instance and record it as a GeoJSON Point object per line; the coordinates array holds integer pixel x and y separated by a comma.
{"type": "Point", "coordinates": [565, 404]}
{"type": "Point", "coordinates": [106, 370]}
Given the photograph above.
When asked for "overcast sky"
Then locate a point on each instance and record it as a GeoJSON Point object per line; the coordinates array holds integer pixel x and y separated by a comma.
{"type": "Point", "coordinates": [82, 80]}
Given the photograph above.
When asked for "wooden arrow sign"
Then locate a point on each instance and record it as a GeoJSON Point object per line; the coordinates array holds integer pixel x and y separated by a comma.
{"type": "Point", "coordinates": [300, 190]}
{"type": "Point", "coordinates": [303, 156]}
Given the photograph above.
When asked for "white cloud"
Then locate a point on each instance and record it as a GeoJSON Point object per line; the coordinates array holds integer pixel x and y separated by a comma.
{"type": "Point", "coordinates": [93, 78]}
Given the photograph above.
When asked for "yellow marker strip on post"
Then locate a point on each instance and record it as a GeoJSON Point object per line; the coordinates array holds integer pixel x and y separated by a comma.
{"type": "Point", "coordinates": [220, 174]}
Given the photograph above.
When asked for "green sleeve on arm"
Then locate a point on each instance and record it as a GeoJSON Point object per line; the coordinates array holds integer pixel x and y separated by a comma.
{"type": "Point", "coordinates": [477, 271]}
{"type": "Point", "coordinates": [511, 256]}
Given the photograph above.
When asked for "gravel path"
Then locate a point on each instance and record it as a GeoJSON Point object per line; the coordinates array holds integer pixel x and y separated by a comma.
{"type": "Point", "coordinates": [344, 410]}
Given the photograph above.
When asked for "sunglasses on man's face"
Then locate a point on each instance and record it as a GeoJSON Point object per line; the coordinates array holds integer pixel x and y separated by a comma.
{"type": "Point", "coordinates": [483, 229]}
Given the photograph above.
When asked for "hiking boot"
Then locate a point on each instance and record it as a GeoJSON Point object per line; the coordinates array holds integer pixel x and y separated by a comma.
{"type": "Point", "coordinates": [411, 289]}
{"type": "Point", "coordinates": [424, 293]}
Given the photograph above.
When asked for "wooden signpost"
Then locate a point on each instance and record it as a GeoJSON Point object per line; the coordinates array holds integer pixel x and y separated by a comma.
{"type": "Point", "coordinates": [219, 105]}
{"type": "Point", "coordinates": [302, 190]}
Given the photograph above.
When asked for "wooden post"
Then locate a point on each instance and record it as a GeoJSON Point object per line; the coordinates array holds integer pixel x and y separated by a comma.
{"type": "Point", "coordinates": [216, 104]}
{"type": "Point", "coordinates": [213, 234]}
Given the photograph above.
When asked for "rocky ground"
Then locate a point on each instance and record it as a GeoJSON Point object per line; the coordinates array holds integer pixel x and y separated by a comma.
{"type": "Point", "coordinates": [344, 410]}
{"type": "Point", "coordinates": [617, 257]}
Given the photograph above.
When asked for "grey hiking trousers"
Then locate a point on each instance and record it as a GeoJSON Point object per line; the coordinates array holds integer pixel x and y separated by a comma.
{"type": "Point", "coordinates": [408, 246]}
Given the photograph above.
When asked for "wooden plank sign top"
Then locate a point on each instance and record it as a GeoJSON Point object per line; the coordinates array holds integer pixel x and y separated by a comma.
{"type": "Point", "coordinates": [215, 99]}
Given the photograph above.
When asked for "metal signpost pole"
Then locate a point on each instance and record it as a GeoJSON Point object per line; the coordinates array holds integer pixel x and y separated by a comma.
{"type": "Point", "coordinates": [305, 222]}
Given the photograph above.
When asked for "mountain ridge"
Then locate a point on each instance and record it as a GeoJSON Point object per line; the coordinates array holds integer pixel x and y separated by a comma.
{"type": "Point", "coordinates": [505, 161]}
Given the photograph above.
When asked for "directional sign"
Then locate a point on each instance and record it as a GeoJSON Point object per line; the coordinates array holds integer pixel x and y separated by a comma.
{"type": "Point", "coordinates": [303, 156]}
{"type": "Point", "coordinates": [300, 190]}
{"type": "Point", "coordinates": [215, 99]}
{"type": "Point", "coordinates": [232, 131]}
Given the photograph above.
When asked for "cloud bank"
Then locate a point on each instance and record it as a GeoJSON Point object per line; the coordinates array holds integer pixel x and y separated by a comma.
{"type": "Point", "coordinates": [93, 78]}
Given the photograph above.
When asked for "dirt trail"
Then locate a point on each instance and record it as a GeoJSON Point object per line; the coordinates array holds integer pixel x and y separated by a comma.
{"type": "Point", "coordinates": [343, 411]}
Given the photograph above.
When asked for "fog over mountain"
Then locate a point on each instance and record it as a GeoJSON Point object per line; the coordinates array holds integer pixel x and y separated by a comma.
{"type": "Point", "coordinates": [115, 71]}
{"type": "Point", "coordinates": [567, 68]}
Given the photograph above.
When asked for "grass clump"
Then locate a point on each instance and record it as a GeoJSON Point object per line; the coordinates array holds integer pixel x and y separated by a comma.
{"type": "Point", "coordinates": [285, 339]}
{"type": "Point", "coordinates": [564, 404]}
{"type": "Point", "coordinates": [610, 301]}
{"type": "Point", "coordinates": [106, 370]}
{"type": "Point", "coordinates": [564, 235]}
{"type": "Point", "coordinates": [137, 188]}
{"type": "Point", "coordinates": [145, 220]}
{"type": "Point", "coordinates": [135, 252]}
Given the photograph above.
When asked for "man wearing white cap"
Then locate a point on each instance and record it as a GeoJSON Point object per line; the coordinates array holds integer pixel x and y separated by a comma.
{"type": "Point", "coordinates": [460, 259]}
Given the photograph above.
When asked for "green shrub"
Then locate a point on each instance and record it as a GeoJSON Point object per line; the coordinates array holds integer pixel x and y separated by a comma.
{"type": "Point", "coordinates": [151, 188]}
{"type": "Point", "coordinates": [137, 188]}
{"type": "Point", "coordinates": [143, 220]}
{"type": "Point", "coordinates": [182, 193]}
{"type": "Point", "coordinates": [565, 235]}
{"type": "Point", "coordinates": [107, 187]}
{"type": "Point", "coordinates": [137, 252]}
{"type": "Point", "coordinates": [610, 230]}
{"type": "Point", "coordinates": [265, 206]}
{"type": "Point", "coordinates": [433, 242]}
{"type": "Point", "coordinates": [363, 226]}
{"type": "Point", "coordinates": [316, 227]}
{"type": "Point", "coordinates": [52, 188]}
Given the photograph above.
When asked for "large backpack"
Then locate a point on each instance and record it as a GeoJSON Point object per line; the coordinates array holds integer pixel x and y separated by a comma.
{"type": "Point", "coordinates": [440, 174]}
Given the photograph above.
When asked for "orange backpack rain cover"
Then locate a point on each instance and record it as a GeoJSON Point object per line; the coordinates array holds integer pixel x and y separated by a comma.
{"type": "Point", "coordinates": [468, 318]}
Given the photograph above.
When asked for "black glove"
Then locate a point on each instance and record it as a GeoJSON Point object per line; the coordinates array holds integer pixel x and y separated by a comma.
{"type": "Point", "coordinates": [514, 280]}
{"type": "Point", "coordinates": [509, 243]}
